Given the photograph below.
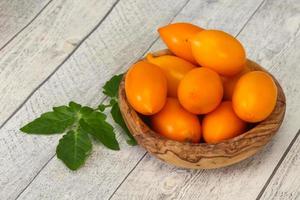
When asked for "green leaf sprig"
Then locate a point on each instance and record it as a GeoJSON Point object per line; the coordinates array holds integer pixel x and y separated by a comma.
{"type": "Point", "coordinates": [80, 124]}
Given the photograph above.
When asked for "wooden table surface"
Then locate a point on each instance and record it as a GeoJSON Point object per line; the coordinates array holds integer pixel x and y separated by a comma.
{"type": "Point", "coordinates": [54, 51]}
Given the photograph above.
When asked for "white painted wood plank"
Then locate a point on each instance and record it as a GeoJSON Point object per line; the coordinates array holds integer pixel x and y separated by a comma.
{"type": "Point", "coordinates": [285, 184]}
{"type": "Point", "coordinates": [120, 40]}
{"type": "Point", "coordinates": [272, 38]}
{"type": "Point", "coordinates": [36, 52]}
{"type": "Point", "coordinates": [15, 15]}
{"type": "Point", "coordinates": [106, 169]}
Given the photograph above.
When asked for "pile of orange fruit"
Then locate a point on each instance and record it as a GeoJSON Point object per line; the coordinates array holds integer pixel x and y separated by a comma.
{"type": "Point", "coordinates": [204, 91]}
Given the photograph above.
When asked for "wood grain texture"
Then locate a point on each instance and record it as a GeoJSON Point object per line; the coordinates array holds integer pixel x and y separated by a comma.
{"type": "Point", "coordinates": [15, 15]}
{"type": "Point", "coordinates": [173, 182]}
{"type": "Point", "coordinates": [121, 39]}
{"type": "Point", "coordinates": [285, 183]}
{"type": "Point", "coordinates": [104, 170]}
{"type": "Point", "coordinates": [272, 39]}
{"type": "Point", "coordinates": [202, 155]}
{"type": "Point", "coordinates": [36, 52]}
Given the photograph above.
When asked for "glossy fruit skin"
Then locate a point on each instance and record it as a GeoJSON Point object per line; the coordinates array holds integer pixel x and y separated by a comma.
{"type": "Point", "coordinates": [174, 68]}
{"type": "Point", "coordinates": [175, 123]}
{"type": "Point", "coordinates": [146, 88]}
{"type": "Point", "coordinates": [219, 51]}
{"type": "Point", "coordinates": [229, 83]}
{"type": "Point", "coordinates": [200, 91]}
{"type": "Point", "coordinates": [254, 96]}
{"type": "Point", "coordinates": [176, 36]}
{"type": "Point", "coordinates": [222, 124]}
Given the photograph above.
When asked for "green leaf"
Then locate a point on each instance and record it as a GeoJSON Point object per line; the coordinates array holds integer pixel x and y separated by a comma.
{"type": "Point", "coordinates": [53, 122]}
{"type": "Point", "coordinates": [74, 148]}
{"type": "Point", "coordinates": [52, 115]}
{"type": "Point", "coordinates": [102, 107]}
{"type": "Point", "coordinates": [94, 116]}
{"type": "Point", "coordinates": [117, 116]}
{"type": "Point", "coordinates": [63, 110]}
{"type": "Point", "coordinates": [74, 106]}
{"type": "Point", "coordinates": [96, 125]}
{"type": "Point", "coordinates": [86, 111]}
{"type": "Point", "coordinates": [113, 102]}
{"type": "Point", "coordinates": [111, 87]}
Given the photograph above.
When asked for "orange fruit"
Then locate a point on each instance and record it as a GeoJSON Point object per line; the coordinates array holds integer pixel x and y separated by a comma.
{"type": "Point", "coordinates": [175, 123]}
{"type": "Point", "coordinates": [229, 83]}
{"type": "Point", "coordinates": [200, 91]}
{"type": "Point", "coordinates": [219, 51]}
{"type": "Point", "coordinates": [254, 96]}
{"type": "Point", "coordinates": [146, 88]}
{"type": "Point", "coordinates": [222, 124]}
{"type": "Point", "coordinates": [176, 35]}
{"type": "Point", "coordinates": [174, 67]}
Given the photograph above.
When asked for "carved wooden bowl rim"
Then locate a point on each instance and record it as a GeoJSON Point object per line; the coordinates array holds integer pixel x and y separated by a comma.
{"type": "Point", "coordinates": [215, 155]}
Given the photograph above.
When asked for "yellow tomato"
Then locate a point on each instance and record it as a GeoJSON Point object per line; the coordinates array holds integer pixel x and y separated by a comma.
{"type": "Point", "coordinates": [174, 67]}
{"type": "Point", "coordinates": [176, 37]}
{"type": "Point", "coordinates": [146, 88]}
{"type": "Point", "coordinates": [254, 96]}
{"type": "Point", "coordinates": [200, 91]}
{"type": "Point", "coordinates": [175, 123]}
{"type": "Point", "coordinates": [219, 51]}
{"type": "Point", "coordinates": [222, 124]}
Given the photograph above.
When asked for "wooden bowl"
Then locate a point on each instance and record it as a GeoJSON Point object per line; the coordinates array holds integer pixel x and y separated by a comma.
{"type": "Point", "coordinates": [202, 155]}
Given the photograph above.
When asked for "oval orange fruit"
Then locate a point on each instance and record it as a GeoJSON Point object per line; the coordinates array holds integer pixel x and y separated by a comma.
{"type": "Point", "coordinates": [219, 51]}
{"type": "Point", "coordinates": [222, 124]}
{"type": "Point", "coordinates": [200, 91]}
{"type": "Point", "coordinates": [174, 67]}
{"type": "Point", "coordinates": [146, 88]}
{"type": "Point", "coordinates": [254, 96]}
{"type": "Point", "coordinates": [176, 35]}
{"type": "Point", "coordinates": [175, 123]}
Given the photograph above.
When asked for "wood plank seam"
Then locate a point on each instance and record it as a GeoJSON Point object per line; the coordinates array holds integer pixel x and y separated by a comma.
{"type": "Point", "coordinates": [35, 176]}
{"type": "Point", "coordinates": [244, 172]}
{"type": "Point", "coordinates": [277, 166]}
{"type": "Point", "coordinates": [127, 175]}
{"type": "Point", "coordinates": [243, 27]}
{"type": "Point", "coordinates": [144, 155]}
{"type": "Point", "coordinates": [259, 6]}
{"type": "Point", "coordinates": [139, 168]}
{"type": "Point", "coordinates": [117, 70]}
{"type": "Point", "coordinates": [59, 66]}
{"type": "Point", "coordinates": [100, 103]}
{"type": "Point", "coordinates": [28, 24]}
